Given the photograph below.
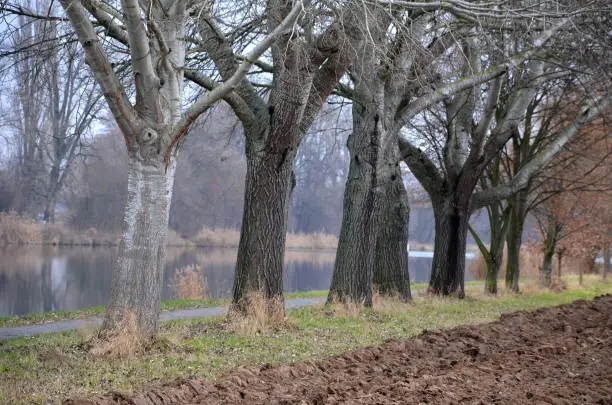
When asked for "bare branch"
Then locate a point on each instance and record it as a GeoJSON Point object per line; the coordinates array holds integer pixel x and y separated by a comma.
{"type": "Point", "coordinates": [520, 181]}
{"type": "Point", "coordinates": [208, 99]}
{"type": "Point", "coordinates": [113, 91]}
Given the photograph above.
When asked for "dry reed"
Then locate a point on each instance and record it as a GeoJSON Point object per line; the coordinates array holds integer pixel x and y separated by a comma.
{"type": "Point", "coordinates": [220, 237]}
{"type": "Point", "coordinates": [17, 230]}
{"type": "Point", "coordinates": [189, 282]}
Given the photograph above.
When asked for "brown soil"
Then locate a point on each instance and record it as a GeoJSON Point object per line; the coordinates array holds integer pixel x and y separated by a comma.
{"type": "Point", "coordinates": [560, 355]}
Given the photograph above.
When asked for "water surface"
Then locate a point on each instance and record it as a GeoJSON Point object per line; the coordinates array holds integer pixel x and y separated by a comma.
{"type": "Point", "coordinates": [46, 278]}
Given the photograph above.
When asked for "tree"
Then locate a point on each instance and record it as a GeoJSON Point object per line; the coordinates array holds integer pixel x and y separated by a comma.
{"type": "Point", "coordinates": [498, 214]}
{"type": "Point", "coordinates": [572, 203]}
{"type": "Point", "coordinates": [390, 88]}
{"type": "Point", "coordinates": [546, 121]}
{"type": "Point", "coordinates": [469, 147]}
{"type": "Point", "coordinates": [306, 66]}
{"type": "Point", "coordinates": [27, 118]}
{"type": "Point", "coordinates": [153, 127]}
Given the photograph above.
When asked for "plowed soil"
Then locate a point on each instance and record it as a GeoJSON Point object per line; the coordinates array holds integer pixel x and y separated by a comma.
{"type": "Point", "coordinates": [560, 355]}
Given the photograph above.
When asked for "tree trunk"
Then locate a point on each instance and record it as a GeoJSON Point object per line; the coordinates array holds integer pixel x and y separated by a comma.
{"type": "Point", "coordinates": [493, 267]}
{"type": "Point", "coordinates": [580, 272]}
{"type": "Point", "coordinates": [353, 269]}
{"type": "Point", "coordinates": [546, 269]}
{"type": "Point", "coordinates": [448, 268]}
{"type": "Point", "coordinates": [391, 275]}
{"type": "Point", "coordinates": [559, 262]}
{"type": "Point", "coordinates": [49, 212]}
{"type": "Point", "coordinates": [261, 250]}
{"type": "Point", "coordinates": [606, 263]}
{"type": "Point", "coordinates": [138, 271]}
{"type": "Point", "coordinates": [499, 222]}
{"type": "Point", "coordinates": [514, 240]}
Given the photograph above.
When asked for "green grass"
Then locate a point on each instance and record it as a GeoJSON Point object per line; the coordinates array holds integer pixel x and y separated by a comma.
{"type": "Point", "coordinates": [52, 367]}
{"type": "Point", "coordinates": [167, 305]}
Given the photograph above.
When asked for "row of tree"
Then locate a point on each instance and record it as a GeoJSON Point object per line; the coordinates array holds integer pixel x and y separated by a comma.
{"type": "Point", "coordinates": [440, 86]}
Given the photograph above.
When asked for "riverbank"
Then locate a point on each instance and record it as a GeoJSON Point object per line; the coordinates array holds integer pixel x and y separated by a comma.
{"type": "Point", "coordinates": [167, 305]}
{"type": "Point", "coordinates": [16, 230]}
{"type": "Point", "coordinates": [53, 367]}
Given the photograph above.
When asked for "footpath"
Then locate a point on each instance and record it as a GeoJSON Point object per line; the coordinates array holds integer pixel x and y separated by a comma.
{"type": "Point", "coordinates": [71, 324]}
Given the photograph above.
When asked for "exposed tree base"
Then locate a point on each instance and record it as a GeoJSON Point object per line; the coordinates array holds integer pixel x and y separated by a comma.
{"type": "Point", "coordinates": [256, 314]}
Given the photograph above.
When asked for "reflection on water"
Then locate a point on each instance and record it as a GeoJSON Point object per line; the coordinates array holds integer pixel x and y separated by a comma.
{"type": "Point", "coordinates": [40, 279]}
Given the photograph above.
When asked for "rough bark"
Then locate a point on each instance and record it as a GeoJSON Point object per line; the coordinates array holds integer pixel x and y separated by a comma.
{"type": "Point", "coordinates": [514, 240]}
{"type": "Point", "coordinates": [353, 269]}
{"type": "Point", "coordinates": [606, 263]}
{"type": "Point", "coordinates": [138, 271]}
{"type": "Point", "coordinates": [391, 275]}
{"type": "Point", "coordinates": [304, 75]}
{"type": "Point", "coordinates": [448, 267]}
{"type": "Point", "coordinates": [559, 263]}
{"type": "Point", "coordinates": [549, 246]}
{"type": "Point", "coordinates": [259, 266]}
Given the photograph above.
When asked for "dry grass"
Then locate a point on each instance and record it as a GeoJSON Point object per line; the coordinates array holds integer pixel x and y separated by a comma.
{"type": "Point", "coordinates": [16, 230]}
{"type": "Point", "coordinates": [19, 231]}
{"type": "Point", "coordinates": [220, 237]}
{"type": "Point", "coordinates": [380, 303]}
{"type": "Point", "coordinates": [311, 241]}
{"type": "Point", "coordinates": [345, 309]}
{"type": "Point", "coordinates": [189, 282]}
{"type": "Point", "coordinates": [124, 343]}
{"type": "Point", "coordinates": [478, 267]}
{"type": "Point", "coordinates": [422, 247]}
{"type": "Point", "coordinates": [175, 240]}
{"type": "Point", "coordinates": [259, 315]}
{"type": "Point", "coordinates": [530, 261]}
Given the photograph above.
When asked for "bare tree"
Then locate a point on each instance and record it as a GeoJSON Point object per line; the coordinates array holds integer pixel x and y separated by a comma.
{"type": "Point", "coordinates": [153, 36]}
{"type": "Point", "coordinates": [306, 65]}
{"type": "Point", "coordinates": [393, 83]}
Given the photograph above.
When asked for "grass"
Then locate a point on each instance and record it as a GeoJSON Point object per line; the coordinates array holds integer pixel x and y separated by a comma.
{"type": "Point", "coordinates": [49, 368]}
{"type": "Point", "coordinates": [166, 305]}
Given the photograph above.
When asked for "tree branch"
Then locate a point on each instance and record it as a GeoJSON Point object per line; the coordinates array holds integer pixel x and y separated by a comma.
{"type": "Point", "coordinates": [421, 166]}
{"type": "Point", "coordinates": [205, 101]}
{"type": "Point", "coordinates": [522, 178]}
{"type": "Point", "coordinates": [113, 91]}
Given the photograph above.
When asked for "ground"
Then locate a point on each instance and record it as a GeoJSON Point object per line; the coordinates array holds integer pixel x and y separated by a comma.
{"type": "Point", "coordinates": [559, 355]}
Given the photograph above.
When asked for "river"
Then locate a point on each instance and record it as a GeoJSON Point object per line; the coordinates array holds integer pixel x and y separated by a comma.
{"type": "Point", "coordinates": [46, 278]}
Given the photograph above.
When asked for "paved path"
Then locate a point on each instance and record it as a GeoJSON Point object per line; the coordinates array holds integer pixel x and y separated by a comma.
{"type": "Point", "coordinates": [60, 326]}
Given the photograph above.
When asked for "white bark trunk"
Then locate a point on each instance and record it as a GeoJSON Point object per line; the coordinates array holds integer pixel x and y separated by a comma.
{"type": "Point", "coordinates": [138, 270]}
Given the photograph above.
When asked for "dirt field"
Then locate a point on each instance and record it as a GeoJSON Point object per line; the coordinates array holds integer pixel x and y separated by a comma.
{"type": "Point", "coordinates": [561, 355]}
